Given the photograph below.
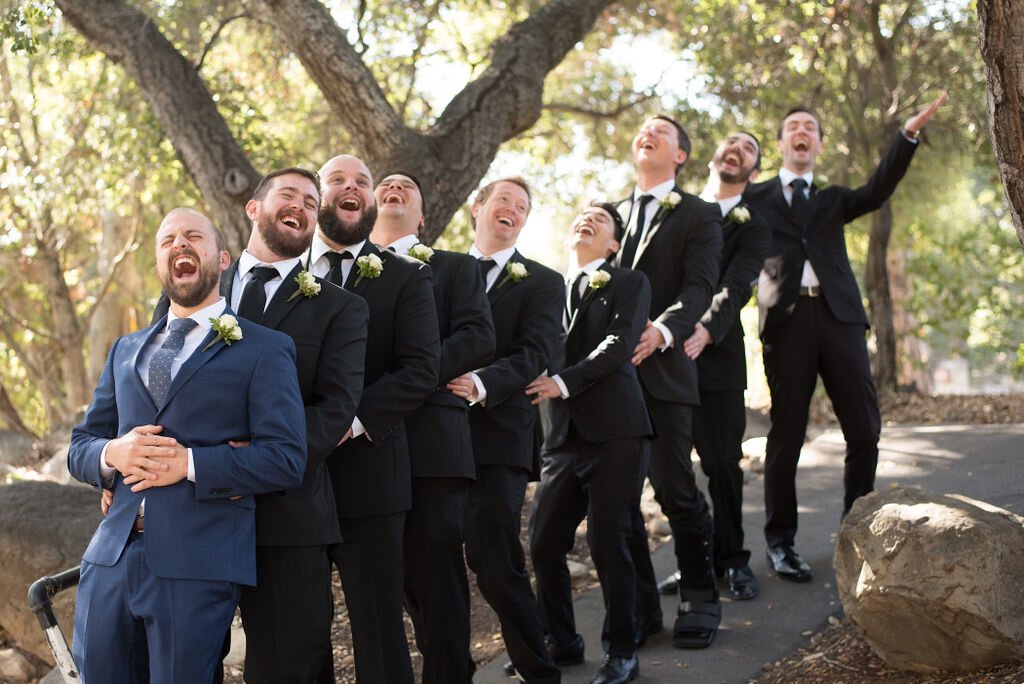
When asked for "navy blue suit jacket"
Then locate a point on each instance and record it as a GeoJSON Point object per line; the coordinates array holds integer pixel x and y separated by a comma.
{"type": "Point", "coordinates": [245, 391]}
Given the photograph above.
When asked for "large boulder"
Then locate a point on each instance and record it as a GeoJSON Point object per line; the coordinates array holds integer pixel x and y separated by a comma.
{"type": "Point", "coordinates": [44, 529]}
{"type": "Point", "coordinates": [933, 582]}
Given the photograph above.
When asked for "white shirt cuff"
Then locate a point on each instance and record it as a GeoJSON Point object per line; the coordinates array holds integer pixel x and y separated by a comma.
{"type": "Point", "coordinates": [191, 477]}
{"type": "Point", "coordinates": [107, 471]}
{"type": "Point", "coordinates": [358, 428]}
{"type": "Point", "coordinates": [481, 391]}
{"type": "Point", "coordinates": [666, 334]}
{"type": "Point", "coordinates": [561, 386]}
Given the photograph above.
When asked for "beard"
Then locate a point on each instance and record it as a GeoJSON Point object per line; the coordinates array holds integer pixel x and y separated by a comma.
{"type": "Point", "coordinates": [346, 232]}
{"type": "Point", "coordinates": [284, 245]}
{"type": "Point", "coordinates": [193, 293]}
{"type": "Point", "coordinates": [741, 176]}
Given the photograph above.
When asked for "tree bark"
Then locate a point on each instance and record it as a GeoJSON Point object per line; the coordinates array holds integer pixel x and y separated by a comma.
{"type": "Point", "coordinates": [181, 103]}
{"type": "Point", "coordinates": [1002, 48]}
{"type": "Point", "coordinates": [880, 306]}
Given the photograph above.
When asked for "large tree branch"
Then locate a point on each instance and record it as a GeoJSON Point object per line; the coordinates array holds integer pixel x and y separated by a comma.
{"type": "Point", "coordinates": [180, 102]}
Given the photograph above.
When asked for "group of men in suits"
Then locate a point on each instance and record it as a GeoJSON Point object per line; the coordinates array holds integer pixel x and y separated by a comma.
{"type": "Point", "coordinates": [388, 419]}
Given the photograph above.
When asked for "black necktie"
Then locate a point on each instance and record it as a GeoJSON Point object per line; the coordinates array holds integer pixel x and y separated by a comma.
{"type": "Point", "coordinates": [633, 239]}
{"type": "Point", "coordinates": [334, 272]}
{"type": "Point", "coordinates": [254, 296]}
{"type": "Point", "coordinates": [486, 264]}
{"type": "Point", "coordinates": [160, 365]}
{"type": "Point", "coordinates": [799, 200]}
{"type": "Point", "coordinates": [574, 294]}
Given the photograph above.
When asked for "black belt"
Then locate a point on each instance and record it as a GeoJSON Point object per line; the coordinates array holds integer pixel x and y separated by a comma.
{"type": "Point", "coordinates": [810, 291]}
{"type": "Point", "coordinates": [140, 524]}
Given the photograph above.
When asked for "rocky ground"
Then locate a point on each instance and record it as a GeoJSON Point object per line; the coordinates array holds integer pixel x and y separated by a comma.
{"type": "Point", "coordinates": [835, 655]}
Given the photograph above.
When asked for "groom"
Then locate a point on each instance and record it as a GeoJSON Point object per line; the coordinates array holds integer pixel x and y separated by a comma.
{"type": "Point", "coordinates": [171, 400]}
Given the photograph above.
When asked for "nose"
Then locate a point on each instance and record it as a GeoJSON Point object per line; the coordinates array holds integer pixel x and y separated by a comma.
{"type": "Point", "coordinates": [180, 241]}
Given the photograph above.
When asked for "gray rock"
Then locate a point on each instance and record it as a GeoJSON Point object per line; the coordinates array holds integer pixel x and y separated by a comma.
{"type": "Point", "coordinates": [44, 529]}
{"type": "Point", "coordinates": [932, 582]}
{"type": "Point", "coordinates": [15, 667]}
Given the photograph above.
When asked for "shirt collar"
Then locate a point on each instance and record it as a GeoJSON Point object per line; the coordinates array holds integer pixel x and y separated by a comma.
{"type": "Point", "coordinates": [319, 248]}
{"type": "Point", "coordinates": [500, 258]}
{"type": "Point", "coordinates": [729, 203]}
{"type": "Point", "coordinates": [658, 191]}
{"type": "Point", "coordinates": [403, 244]}
{"type": "Point", "coordinates": [203, 316]}
{"type": "Point", "coordinates": [247, 262]}
{"type": "Point", "coordinates": [589, 269]}
{"type": "Point", "coordinates": [786, 177]}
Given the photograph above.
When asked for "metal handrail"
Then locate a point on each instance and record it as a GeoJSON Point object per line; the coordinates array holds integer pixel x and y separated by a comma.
{"type": "Point", "coordinates": [39, 600]}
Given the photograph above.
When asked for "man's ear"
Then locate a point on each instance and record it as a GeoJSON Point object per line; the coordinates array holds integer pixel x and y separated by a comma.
{"type": "Point", "coordinates": [680, 157]}
{"type": "Point", "coordinates": [225, 260]}
{"type": "Point", "coordinates": [753, 175]}
{"type": "Point", "coordinates": [252, 209]}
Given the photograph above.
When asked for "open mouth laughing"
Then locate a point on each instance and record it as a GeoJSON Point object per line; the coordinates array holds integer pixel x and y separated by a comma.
{"type": "Point", "coordinates": [184, 265]}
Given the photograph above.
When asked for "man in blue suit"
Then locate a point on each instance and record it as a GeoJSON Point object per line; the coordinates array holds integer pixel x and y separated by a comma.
{"type": "Point", "coordinates": [191, 418]}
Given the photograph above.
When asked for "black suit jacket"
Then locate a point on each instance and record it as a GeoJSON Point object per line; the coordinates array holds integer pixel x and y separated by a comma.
{"type": "Point", "coordinates": [329, 332]}
{"type": "Point", "coordinates": [527, 317]}
{"type": "Point", "coordinates": [605, 400]}
{"type": "Point", "coordinates": [371, 473]}
{"type": "Point", "coordinates": [722, 365]}
{"type": "Point", "coordinates": [680, 255]}
{"type": "Point", "coordinates": [821, 238]}
{"type": "Point", "coordinates": [439, 436]}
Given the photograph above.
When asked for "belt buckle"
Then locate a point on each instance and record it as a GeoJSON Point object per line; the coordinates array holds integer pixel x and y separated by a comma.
{"type": "Point", "coordinates": [811, 291]}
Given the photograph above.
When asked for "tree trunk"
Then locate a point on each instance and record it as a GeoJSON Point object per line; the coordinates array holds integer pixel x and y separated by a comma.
{"type": "Point", "coordinates": [111, 316]}
{"type": "Point", "coordinates": [880, 308]}
{"type": "Point", "coordinates": [180, 102]}
{"type": "Point", "coordinates": [1002, 48]}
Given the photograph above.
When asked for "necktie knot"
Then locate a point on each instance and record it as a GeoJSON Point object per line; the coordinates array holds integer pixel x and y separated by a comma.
{"type": "Point", "coordinates": [180, 326]}
{"type": "Point", "coordinates": [263, 273]}
{"type": "Point", "coordinates": [636, 229]}
{"type": "Point", "coordinates": [798, 185]}
{"type": "Point", "coordinates": [486, 264]}
{"type": "Point", "coordinates": [254, 296]}
{"type": "Point", "coordinates": [163, 359]}
{"type": "Point", "coordinates": [334, 272]}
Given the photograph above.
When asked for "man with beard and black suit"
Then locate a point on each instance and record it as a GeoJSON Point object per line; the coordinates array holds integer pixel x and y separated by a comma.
{"type": "Point", "coordinates": [596, 441]}
{"type": "Point", "coordinates": [287, 616]}
{"type": "Point", "coordinates": [162, 575]}
{"type": "Point", "coordinates": [675, 238]}
{"type": "Point", "coordinates": [717, 346]}
{"type": "Point", "coordinates": [440, 445]}
{"type": "Point", "coordinates": [526, 306]}
{"type": "Point", "coordinates": [813, 321]}
{"type": "Point", "coordinates": [370, 468]}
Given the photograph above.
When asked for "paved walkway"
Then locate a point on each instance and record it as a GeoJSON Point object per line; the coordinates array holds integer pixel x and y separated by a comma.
{"type": "Point", "coordinates": [982, 462]}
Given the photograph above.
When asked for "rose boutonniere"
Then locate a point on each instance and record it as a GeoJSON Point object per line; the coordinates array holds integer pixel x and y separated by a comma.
{"type": "Point", "coordinates": [599, 279]}
{"type": "Point", "coordinates": [421, 252]}
{"type": "Point", "coordinates": [227, 330]}
{"type": "Point", "coordinates": [739, 214]}
{"type": "Point", "coordinates": [308, 287]}
{"type": "Point", "coordinates": [670, 200]}
{"type": "Point", "coordinates": [515, 272]}
{"type": "Point", "coordinates": [370, 266]}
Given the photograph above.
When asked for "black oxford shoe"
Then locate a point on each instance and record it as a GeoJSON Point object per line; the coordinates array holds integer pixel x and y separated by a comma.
{"type": "Point", "coordinates": [509, 669]}
{"type": "Point", "coordinates": [742, 583]}
{"type": "Point", "coordinates": [669, 585]}
{"type": "Point", "coordinates": [645, 627]}
{"type": "Point", "coordinates": [617, 670]}
{"type": "Point", "coordinates": [784, 561]}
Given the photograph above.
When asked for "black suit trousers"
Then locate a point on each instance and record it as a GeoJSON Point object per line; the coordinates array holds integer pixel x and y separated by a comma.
{"type": "Point", "coordinates": [718, 425]}
{"type": "Point", "coordinates": [287, 617]}
{"type": "Point", "coordinates": [436, 587]}
{"type": "Point", "coordinates": [495, 554]}
{"type": "Point", "coordinates": [370, 564]}
{"type": "Point", "coordinates": [814, 343]}
{"type": "Point", "coordinates": [601, 481]}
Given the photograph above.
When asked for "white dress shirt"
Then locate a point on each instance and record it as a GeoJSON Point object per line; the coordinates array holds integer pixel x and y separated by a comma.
{"type": "Point", "coordinates": [659, 192]}
{"type": "Point", "coordinates": [808, 278]}
{"type": "Point", "coordinates": [319, 264]}
{"type": "Point", "coordinates": [501, 259]}
{"type": "Point", "coordinates": [243, 274]}
{"type": "Point", "coordinates": [403, 244]}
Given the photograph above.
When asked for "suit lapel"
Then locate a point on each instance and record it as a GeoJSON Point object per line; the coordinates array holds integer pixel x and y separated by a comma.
{"type": "Point", "coordinates": [354, 283]}
{"type": "Point", "coordinates": [659, 217]}
{"type": "Point", "coordinates": [197, 360]}
{"type": "Point", "coordinates": [284, 300]}
{"type": "Point", "coordinates": [779, 200]}
{"type": "Point", "coordinates": [588, 296]}
{"type": "Point", "coordinates": [227, 280]}
{"type": "Point", "coordinates": [136, 377]}
{"type": "Point", "coordinates": [504, 283]}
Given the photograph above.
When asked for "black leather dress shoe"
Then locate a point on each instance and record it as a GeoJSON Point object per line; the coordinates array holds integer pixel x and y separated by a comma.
{"type": "Point", "coordinates": [617, 670]}
{"type": "Point", "coordinates": [742, 583]}
{"type": "Point", "coordinates": [566, 654]}
{"type": "Point", "coordinates": [645, 627]}
{"type": "Point", "coordinates": [509, 669]}
{"type": "Point", "coordinates": [669, 585]}
{"type": "Point", "coordinates": [784, 561]}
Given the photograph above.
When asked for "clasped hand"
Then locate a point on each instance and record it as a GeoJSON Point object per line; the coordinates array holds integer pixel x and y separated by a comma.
{"type": "Point", "coordinates": [147, 459]}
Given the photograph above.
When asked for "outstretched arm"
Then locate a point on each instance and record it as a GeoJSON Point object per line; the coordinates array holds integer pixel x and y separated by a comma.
{"type": "Point", "coordinates": [918, 121]}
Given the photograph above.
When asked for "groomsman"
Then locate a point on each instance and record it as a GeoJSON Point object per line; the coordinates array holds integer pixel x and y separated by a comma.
{"type": "Point", "coordinates": [596, 442]}
{"type": "Point", "coordinates": [717, 346]}
{"type": "Point", "coordinates": [162, 574]}
{"type": "Point", "coordinates": [370, 468]}
{"type": "Point", "coordinates": [675, 239]}
{"type": "Point", "coordinates": [526, 306]}
{"type": "Point", "coordinates": [440, 445]}
{"type": "Point", "coordinates": [813, 321]}
{"type": "Point", "coordinates": [287, 616]}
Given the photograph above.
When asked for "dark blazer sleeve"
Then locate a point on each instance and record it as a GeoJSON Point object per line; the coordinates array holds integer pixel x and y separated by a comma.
{"type": "Point", "coordinates": [883, 182]}
{"type": "Point", "coordinates": [338, 381]}
{"type": "Point", "coordinates": [630, 300]}
{"type": "Point", "coordinates": [97, 428]}
{"type": "Point", "coordinates": [415, 357]}
{"type": "Point", "coordinates": [700, 252]}
{"type": "Point", "coordinates": [469, 343]}
{"type": "Point", "coordinates": [537, 334]}
{"type": "Point", "coordinates": [736, 283]}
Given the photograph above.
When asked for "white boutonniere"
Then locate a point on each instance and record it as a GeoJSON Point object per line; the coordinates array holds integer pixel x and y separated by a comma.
{"type": "Point", "coordinates": [370, 266]}
{"type": "Point", "coordinates": [515, 272]}
{"type": "Point", "coordinates": [739, 214]}
{"type": "Point", "coordinates": [599, 279]}
{"type": "Point", "coordinates": [308, 287]}
{"type": "Point", "coordinates": [421, 252]}
{"type": "Point", "coordinates": [227, 330]}
{"type": "Point", "coordinates": [670, 200]}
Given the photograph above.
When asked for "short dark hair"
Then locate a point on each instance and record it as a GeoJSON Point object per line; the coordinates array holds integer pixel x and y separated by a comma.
{"type": "Point", "coordinates": [757, 163]}
{"type": "Point", "coordinates": [414, 179]}
{"type": "Point", "coordinates": [264, 185]}
{"type": "Point", "coordinates": [684, 140]}
{"type": "Point", "coordinates": [805, 110]}
{"type": "Point", "coordinates": [613, 211]}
